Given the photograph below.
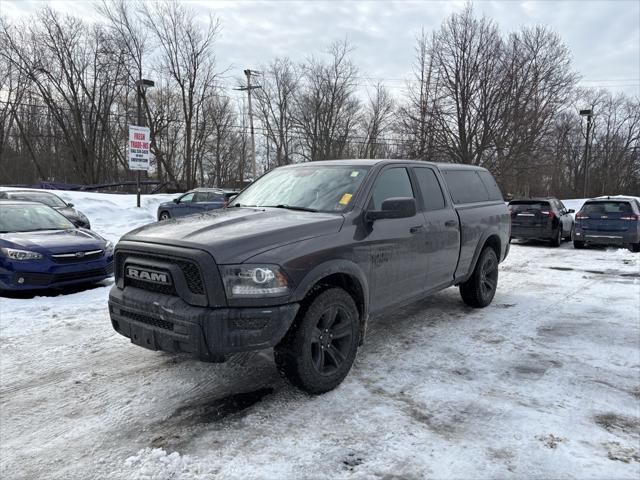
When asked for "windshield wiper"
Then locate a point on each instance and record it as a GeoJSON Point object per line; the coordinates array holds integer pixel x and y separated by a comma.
{"type": "Point", "coordinates": [292, 207]}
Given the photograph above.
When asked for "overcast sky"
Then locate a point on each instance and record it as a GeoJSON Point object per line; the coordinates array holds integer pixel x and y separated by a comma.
{"type": "Point", "coordinates": [604, 36]}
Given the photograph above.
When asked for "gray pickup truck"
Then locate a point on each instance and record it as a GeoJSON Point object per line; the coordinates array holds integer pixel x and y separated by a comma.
{"type": "Point", "coordinates": [305, 257]}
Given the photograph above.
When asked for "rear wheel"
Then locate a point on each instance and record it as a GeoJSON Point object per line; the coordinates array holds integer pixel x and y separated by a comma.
{"type": "Point", "coordinates": [480, 289]}
{"type": "Point", "coordinates": [165, 216]}
{"type": "Point", "coordinates": [577, 244]}
{"type": "Point", "coordinates": [557, 241]}
{"type": "Point", "coordinates": [319, 349]}
{"type": "Point", "coordinates": [635, 247]}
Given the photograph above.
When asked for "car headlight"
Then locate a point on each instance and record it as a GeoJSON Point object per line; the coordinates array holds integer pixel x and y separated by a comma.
{"type": "Point", "coordinates": [14, 254]}
{"type": "Point", "coordinates": [252, 281]}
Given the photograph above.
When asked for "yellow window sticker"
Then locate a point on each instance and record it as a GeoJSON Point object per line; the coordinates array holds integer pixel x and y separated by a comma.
{"type": "Point", "coordinates": [355, 173]}
{"type": "Point", "coordinates": [346, 198]}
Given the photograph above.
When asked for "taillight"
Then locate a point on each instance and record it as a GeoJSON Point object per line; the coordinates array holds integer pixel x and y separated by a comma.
{"type": "Point", "coordinates": [633, 218]}
{"type": "Point", "coordinates": [548, 213]}
{"type": "Point", "coordinates": [581, 216]}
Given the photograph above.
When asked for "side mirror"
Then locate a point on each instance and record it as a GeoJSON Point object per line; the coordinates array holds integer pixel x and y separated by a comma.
{"type": "Point", "coordinates": [571, 210]}
{"type": "Point", "coordinates": [400, 207]}
{"type": "Point", "coordinates": [69, 204]}
{"type": "Point", "coordinates": [176, 200]}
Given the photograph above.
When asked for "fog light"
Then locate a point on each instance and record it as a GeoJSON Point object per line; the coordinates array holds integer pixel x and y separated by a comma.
{"type": "Point", "coordinates": [21, 280]}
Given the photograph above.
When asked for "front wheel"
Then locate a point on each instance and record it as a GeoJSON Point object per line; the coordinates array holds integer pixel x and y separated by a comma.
{"type": "Point", "coordinates": [319, 349]}
{"type": "Point", "coordinates": [635, 247]}
{"type": "Point", "coordinates": [480, 289]}
{"type": "Point", "coordinates": [164, 216]}
{"type": "Point", "coordinates": [578, 245]}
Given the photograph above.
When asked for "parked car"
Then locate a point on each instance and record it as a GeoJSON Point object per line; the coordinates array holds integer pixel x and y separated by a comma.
{"type": "Point", "coordinates": [305, 256]}
{"type": "Point", "coordinates": [40, 249]}
{"type": "Point", "coordinates": [74, 216]}
{"type": "Point", "coordinates": [195, 201]}
{"type": "Point", "coordinates": [541, 219]}
{"type": "Point", "coordinates": [608, 221]}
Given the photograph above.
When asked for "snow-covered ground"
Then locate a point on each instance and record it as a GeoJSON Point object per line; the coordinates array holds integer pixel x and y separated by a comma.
{"type": "Point", "coordinates": [544, 383]}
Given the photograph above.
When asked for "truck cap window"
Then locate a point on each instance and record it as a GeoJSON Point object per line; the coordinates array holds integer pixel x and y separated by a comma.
{"type": "Point", "coordinates": [391, 183]}
{"type": "Point", "coordinates": [324, 188]}
{"type": "Point", "coordinates": [466, 186]}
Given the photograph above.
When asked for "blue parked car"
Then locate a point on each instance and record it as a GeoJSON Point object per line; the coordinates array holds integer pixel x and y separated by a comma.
{"type": "Point", "coordinates": [41, 249]}
{"type": "Point", "coordinates": [195, 201]}
{"type": "Point", "coordinates": [608, 221]}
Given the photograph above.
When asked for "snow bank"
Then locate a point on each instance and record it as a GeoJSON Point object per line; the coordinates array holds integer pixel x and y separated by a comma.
{"type": "Point", "coordinates": [156, 464]}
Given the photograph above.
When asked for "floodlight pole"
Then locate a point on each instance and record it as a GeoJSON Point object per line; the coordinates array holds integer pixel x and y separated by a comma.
{"type": "Point", "coordinates": [249, 88]}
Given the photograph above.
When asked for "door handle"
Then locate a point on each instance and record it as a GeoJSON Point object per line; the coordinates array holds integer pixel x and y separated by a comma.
{"type": "Point", "coordinates": [450, 223]}
{"type": "Point", "coordinates": [417, 229]}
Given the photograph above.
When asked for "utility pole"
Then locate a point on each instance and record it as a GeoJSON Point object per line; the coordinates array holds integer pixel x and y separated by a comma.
{"type": "Point", "coordinates": [586, 113]}
{"type": "Point", "coordinates": [249, 88]}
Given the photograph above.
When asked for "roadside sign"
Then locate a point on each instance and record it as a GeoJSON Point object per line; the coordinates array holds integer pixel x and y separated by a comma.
{"type": "Point", "coordinates": [139, 139]}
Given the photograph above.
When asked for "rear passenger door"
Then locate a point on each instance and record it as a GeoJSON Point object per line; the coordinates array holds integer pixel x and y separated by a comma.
{"type": "Point", "coordinates": [397, 245]}
{"type": "Point", "coordinates": [442, 229]}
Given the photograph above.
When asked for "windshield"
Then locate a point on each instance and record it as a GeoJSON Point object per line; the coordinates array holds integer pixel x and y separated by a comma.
{"type": "Point", "coordinates": [27, 218]}
{"type": "Point", "coordinates": [323, 188]}
{"type": "Point", "coordinates": [46, 198]}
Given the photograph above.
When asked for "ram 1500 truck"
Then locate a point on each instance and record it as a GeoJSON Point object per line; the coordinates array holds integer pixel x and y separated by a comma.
{"type": "Point", "coordinates": [305, 257]}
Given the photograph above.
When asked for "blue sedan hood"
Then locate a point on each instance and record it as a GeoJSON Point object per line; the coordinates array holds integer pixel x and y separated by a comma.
{"type": "Point", "coordinates": [54, 241]}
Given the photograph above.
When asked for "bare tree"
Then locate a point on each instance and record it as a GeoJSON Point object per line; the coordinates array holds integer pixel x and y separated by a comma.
{"type": "Point", "coordinates": [376, 122]}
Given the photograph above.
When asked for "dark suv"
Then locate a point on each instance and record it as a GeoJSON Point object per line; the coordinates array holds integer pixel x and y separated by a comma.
{"type": "Point", "coordinates": [608, 221]}
{"type": "Point", "coordinates": [305, 256]}
{"type": "Point", "coordinates": [541, 219]}
{"type": "Point", "coordinates": [195, 201]}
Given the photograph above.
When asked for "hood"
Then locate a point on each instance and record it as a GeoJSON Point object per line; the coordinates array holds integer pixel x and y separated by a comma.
{"type": "Point", "coordinates": [54, 241]}
{"type": "Point", "coordinates": [234, 234]}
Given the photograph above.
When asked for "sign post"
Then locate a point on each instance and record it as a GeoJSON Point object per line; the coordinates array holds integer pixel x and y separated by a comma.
{"type": "Point", "coordinates": [139, 140]}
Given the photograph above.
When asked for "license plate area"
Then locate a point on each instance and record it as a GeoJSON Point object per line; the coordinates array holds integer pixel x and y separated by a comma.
{"type": "Point", "coordinates": [143, 337]}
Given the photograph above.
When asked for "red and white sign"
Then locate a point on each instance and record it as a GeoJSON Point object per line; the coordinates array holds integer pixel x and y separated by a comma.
{"type": "Point", "coordinates": [139, 140]}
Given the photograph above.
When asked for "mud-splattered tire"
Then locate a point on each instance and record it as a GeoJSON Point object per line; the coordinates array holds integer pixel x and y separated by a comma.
{"type": "Point", "coordinates": [578, 245]}
{"type": "Point", "coordinates": [164, 216]}
{"type": "Point", "coordinates": [320, 348]}
{"type": "Point", "coordinates": [479, 290]}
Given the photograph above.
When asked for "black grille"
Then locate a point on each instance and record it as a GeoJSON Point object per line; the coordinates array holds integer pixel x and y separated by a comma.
{"type": "Point", "coordinates": [153, 287]}
{"type": "Point", "coordinates": [154, 322]}
{"type": "Point", "coordinates": [189, 269]}
{"type": "Point", "coordinates": [42, 279]}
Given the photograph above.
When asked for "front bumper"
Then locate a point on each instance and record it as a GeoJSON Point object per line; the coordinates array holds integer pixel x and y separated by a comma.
{"type": "Point", "coordinates": [163, 322]}
{"type": "Point", "coordinates": [36, 276]}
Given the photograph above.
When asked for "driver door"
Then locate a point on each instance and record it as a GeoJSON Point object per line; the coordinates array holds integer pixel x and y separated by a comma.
{"type": "Point", "coordinates": [183, 207]}
{"type": "Point", "coordinates": [397, 245]}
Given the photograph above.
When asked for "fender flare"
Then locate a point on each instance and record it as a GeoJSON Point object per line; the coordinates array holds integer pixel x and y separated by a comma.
{"type": "Point", "coordinates": [331, 267]}
{"type": "Point", "coordinates": [476, 254]}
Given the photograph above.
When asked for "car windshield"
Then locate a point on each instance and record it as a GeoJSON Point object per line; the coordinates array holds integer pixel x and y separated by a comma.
{"type": "Point", "coordinates": [324, 188]}
{"type": "Point", "coordinates": [28, 218]}
{"type": "Point", "coordinates": [40, 197]}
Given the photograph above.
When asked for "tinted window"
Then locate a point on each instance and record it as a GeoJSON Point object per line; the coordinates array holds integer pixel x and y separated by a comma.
{"type": "Point", "coordinates": [491, 185]}
{"type": "Point", "coordinates": [41, 197]}
{"type": "Point", "coordinates": [206, 197]}
{"type": "Point", "coordinates": [391, 183]}
{"type": "Point", "coordinates": [430, 188]}
{"type": "Point", "coordinates": [465, 186]}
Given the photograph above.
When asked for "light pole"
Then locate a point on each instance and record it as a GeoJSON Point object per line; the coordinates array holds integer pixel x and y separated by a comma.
{"type": "Point", "coordinates": [586, 113]}
{"type": "Point", "coordinates": [141, 88]}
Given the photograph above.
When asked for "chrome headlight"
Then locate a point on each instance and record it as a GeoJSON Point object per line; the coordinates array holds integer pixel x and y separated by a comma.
{"type": "Point", "coordinates": [253, 281]}
{"type": "Point", "coordinates": [14, 254]}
